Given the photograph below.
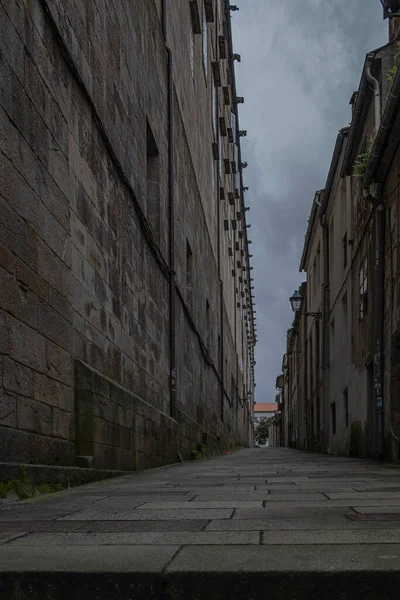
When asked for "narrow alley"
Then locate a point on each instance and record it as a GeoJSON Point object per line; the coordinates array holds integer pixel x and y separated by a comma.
{"type": "Point", "coordinates": [265, 518]}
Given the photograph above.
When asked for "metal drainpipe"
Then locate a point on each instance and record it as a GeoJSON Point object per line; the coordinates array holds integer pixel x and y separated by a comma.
{"type": "Point", "coordinates": [377, 96]}
{"type": "Point", "coordinates": [171, 219]}
{"type": "Point", "coordinates": [325, 323]}
{"type": "Point", "coordinates": [380, 327]}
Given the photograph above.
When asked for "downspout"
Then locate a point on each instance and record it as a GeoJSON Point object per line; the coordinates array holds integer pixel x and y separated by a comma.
{"type": "Point", "coordinates": [377, 96]}
{"type": "Point", "coordinates": [171, 219]}
{"type": "Point", "coordinates": [325, 329]}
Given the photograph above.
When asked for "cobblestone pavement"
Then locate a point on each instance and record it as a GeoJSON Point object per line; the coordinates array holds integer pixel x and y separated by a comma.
{"type": "Point", "coordinates": [256, 519]}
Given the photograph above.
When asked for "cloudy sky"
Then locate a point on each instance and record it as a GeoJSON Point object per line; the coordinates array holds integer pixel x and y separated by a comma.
{"type": "Point", "coordinates": [301, 61]}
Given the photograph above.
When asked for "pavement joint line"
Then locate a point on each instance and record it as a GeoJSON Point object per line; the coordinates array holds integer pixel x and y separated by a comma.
{"type": "Point", "coordinates": [15, 536]}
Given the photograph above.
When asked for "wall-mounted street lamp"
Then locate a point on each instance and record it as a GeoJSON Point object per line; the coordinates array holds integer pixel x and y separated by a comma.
{"type": "Point", "coordinates": [297, 300]}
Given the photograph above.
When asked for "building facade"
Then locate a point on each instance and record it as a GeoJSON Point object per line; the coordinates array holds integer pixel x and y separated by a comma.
{"type": "Point", "coordinates": [348, 359]}
{"type": "Point", "coordinates": [126, 317]}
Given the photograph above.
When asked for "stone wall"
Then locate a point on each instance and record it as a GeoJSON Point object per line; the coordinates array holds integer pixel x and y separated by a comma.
{"type": "Point", "coordinates": [84, 234]}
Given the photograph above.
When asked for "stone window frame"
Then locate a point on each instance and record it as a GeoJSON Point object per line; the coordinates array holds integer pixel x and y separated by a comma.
{"type": "Point", "coordinates": [205, 42]}
{"type": "Point", "coordinates": [363, 288]}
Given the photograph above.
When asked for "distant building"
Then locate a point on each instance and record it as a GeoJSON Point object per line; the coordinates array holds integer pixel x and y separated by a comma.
{"type": "Point", "coordinates": [264, 410]}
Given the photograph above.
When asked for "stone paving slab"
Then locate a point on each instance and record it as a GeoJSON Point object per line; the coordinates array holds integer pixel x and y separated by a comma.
{"type": "Point", "coordinates": [137, 499]}
{"type": "Point", "coordinates": [288, 524]}
{"type": "Point", "coordinates": [303, 558]}
{"type": "Point", "coordinates": [289, 512]}
{"type": "Point", "coordinates": [89, 559]}
{"type": "Point", "coordinates": [366, 510]}
{"type": "Point", "coordinates": [148, 526]}
{"type": "Point", "coordinates": [277, 497]}
{"type": "Point", "coordinates": [137, 539]}
{"type": "Point", "coordinates": [149, 515]}
{"type": "Point", "coordinates": [364, 495]}
{"type": "Point", "coordinates": [350, 536]}
{"type": "Point", "coordinates": [41, 526]}
{"type": "Point", "coordinates": [201, 505]}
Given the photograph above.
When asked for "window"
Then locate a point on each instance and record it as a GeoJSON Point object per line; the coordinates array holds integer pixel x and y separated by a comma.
{"type": "Point", "coordinates": [345, 246]}
{"type": "Point", "coordinates": [191, 48]}
{"type": "Point", "coordinates": [318, 403]}
{"type": "Point", "coordinates": [314, 282]}
{"type": "Point", "coordinates": [208, 328]}
{"type": "Point", "coordinates": [332, 334]}
{"type": "Point", "coordinates": [333, 417]}
{"type": "Point", "coordinates": [344, 318]}
{"type": "Point", "coordinates": [189, 275]}
{"type": "Point", "coordinates": [319, 264]}
{"type": "Point", "coordinates": [214, 108]}
{"type": "Point", "coordinates": [153, 183]}
{"type": "Point", "coordinates": [317, 349]}
{"type": "Point", "coordinates": [311, 365]}
{"type": "Point", "coordinates": [363, 282]}
{"type": "Point", "coordinates": [221, 158]}
{"type": "Point", "coordinates": [346, 406]}
{"type": "Point", "coordinates": [205, 41]}
{"type": "Point", "coordinates": [331, 243]}
{"type": "Point", "coordinates": [233, 125]}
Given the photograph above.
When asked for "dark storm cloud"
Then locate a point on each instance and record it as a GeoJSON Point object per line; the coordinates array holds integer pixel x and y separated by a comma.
{"type": "Point", "coordinates": [301, 61]}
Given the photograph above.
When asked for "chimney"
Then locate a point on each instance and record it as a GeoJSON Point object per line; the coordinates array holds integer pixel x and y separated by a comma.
{"type": "Point", "coordinates": [394, 29]}
{"type": "Point", "coordinates": [391, 11]}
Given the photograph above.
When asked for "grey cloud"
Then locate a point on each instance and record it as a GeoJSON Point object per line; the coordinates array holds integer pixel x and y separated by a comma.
{"type": "Point", "coordinates": [301, 61]}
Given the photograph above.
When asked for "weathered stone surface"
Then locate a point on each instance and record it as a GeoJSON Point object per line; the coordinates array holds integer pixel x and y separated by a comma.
{"type": "Point", "coordinates": [17, 378]}
{"type": "Point", "coordinates": [8, 409]}
{"type": "Point", "coordinates": [34, 416]}
{"type": "Point", "coordinates": [4, 334]}
{"type": "Point", "coordinates": [28, 346]}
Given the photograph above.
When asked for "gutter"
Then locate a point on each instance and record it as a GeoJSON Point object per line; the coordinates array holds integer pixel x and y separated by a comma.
{"type": "Point", "coordinates": [362, 91]}
{"type": "Point", "coordinates": [382, 136]}
{"type": "Point", "coordinates": [342, 135]}
{"type": "Point", "coordinates": [315, 206]}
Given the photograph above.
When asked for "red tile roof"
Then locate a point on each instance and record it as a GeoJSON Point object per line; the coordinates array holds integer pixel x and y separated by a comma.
{"type": "Point", "coordinates": [265, 407]}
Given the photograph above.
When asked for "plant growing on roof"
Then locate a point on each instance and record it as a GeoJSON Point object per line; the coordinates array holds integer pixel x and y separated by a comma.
{"type": "Point", "coordinates": [393, 71]}
{"type": "Point", "coordinates": [361, 163]}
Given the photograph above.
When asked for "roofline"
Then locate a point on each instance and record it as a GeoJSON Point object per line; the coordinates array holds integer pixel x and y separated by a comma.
{"type": "Point", "coordinates": [342, 135]}
{"type": "Point", "coordinates": [362, 91]}
{"type": "Point", "coordinates": [382, 144]}
{"type": "Point", "coordinates": [314, 209]}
